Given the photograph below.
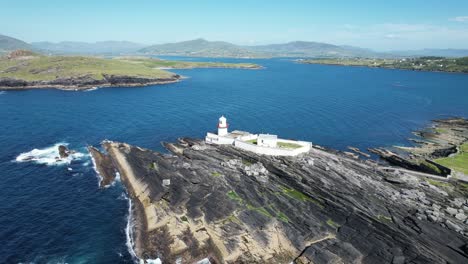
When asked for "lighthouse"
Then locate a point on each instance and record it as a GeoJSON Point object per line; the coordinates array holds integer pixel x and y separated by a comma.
{"type": "Point", "coordinates": [222, 126]}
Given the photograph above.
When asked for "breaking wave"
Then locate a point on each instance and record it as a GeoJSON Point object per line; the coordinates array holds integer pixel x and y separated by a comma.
{"type": "Point", "coordinates": [49, 156]}
{"type": "Point", "coordinates": [91, 89]}
{"type": "Point", "coordinates": [129, 231]}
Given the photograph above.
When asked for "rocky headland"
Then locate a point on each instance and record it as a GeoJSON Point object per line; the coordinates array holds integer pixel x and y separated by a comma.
{"type": "Point", "coordinates": [443, 138]}
{"type": "Point", "coordinates": [226, 205]}
{"type": "Point", "coordinates": [24, 69]}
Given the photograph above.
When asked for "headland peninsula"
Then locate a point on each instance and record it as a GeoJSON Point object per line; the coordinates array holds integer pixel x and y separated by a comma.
{"type": "Point", "coordinates": [428, 63]}
{"type": "Point", "coordinates": [24, 69]}
{"type": "Point", "coordinates": [222, 204]}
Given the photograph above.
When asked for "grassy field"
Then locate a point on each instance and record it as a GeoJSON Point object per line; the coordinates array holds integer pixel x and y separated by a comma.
{"type": "Point", "coordinates": [288, 145]}
{"type": "Point", "coordinates": [47, 68]}
{"type": "Point", "coordinates": [156, 63]}
{"type": "Point", "coordinates": [252, 141]}
{"type": "Point", "coordinates": [459, 162]}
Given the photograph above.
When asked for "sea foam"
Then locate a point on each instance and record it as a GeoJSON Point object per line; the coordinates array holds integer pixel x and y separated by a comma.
{"type": "Point", "coordinates": [48, 156]}
{"type": "Point", "coordinates": [129, 232]}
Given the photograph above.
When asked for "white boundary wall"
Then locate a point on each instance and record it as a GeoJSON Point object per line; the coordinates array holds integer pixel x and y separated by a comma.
{"type": "Point", "coordinates": [305, 147]}
{"type": "Point", "coordinates": [215, 139]}
{"type": "Point", "coordinates": [248, 137]}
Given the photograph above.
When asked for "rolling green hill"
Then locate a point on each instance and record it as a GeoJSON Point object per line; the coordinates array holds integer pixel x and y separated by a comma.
{"type": "Point", "coordinates": [25, 69]}
{"type": "Point", "coordinates": [200, 48]}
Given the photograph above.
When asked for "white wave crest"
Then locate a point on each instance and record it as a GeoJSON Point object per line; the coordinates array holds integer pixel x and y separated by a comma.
{"type": "Point", "coordinates": [91, 89]}
{"type": "Point", "coordinates": [48, 156]}
{"type": "Point", "coordinates": [2, 92]}
{"type": "Point", "coordinates": [129, 233]}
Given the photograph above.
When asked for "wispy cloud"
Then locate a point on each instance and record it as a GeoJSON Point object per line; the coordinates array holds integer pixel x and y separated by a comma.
{"type": "Point", "coordinates": [459, 19]}
{"type": "Point", "coordinates": [387, 36]}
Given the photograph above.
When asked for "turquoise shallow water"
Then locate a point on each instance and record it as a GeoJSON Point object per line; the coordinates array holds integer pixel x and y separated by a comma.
{"type": "Point", "coordinates": [57, 213]}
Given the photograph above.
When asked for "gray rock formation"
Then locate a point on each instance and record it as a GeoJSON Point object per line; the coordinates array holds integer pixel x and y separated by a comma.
{"type": "Point", "coordinates": [233, 206]}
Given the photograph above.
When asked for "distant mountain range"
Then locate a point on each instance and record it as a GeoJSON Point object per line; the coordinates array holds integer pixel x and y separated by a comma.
{"type": "Point", "coordinates": [204, 48]}
{"type": "Point", "coordinates": [103, 47]}
{"type": "Point", "coordinates": [201, 48]}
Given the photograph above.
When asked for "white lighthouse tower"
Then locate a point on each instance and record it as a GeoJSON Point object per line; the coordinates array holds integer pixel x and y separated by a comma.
{"type": "Point", "coordinates": [222, 126]}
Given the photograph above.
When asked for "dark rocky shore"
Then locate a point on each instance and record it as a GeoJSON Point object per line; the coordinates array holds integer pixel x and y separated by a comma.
{"type": "Point", "coordinates": [85, 82]}
{"type": "Point", "coordinates": [441, 139]}
{"type": "Point", "coordinates": [232, 206]}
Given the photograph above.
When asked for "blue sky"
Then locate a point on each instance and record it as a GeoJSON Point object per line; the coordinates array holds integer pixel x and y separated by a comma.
{"type": "Point", "coordinates": [396, 24]}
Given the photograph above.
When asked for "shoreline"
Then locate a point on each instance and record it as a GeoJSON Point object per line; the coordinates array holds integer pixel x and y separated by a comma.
{"type": "Point", "coordinates": [87, 87]}
{"type": "Point", "coordinates": [379, 67]}
{"type": "Point", "coordinates": [441, 139]}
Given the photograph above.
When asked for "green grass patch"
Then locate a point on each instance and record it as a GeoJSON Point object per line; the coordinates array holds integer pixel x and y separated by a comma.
{"type": "Point", "coordinates": [288, 145]}
{"type": "Point", "coordinates": [158, 63]}
{"type": "Point", "coordinates": [184, 218]}
{"type": "Point", "coordinates": [234, 196]}
{"type": "Point", "coordinates": [332, 223]}
{"type": "Point", "coordinates": [438, 183]}
{"type": "Point", "coordinates": [441, 130]}
{"type": "Point", "coordinates": [246, 162]}
{"type": "Point", "coordinates": [232, 218]}
{"type": "Point", "coordinates": [384, 218]}
{"type": "Point", "coordinates": [216, 174]}
{"type": "Point", "coordinates": [431, 166]}
{"type": "Point", "coordinates": [297, 195]}
{"type": "Point", "coordinates": [282, 217]}
{"type": "Point", "coordinates": [261, 210]}
{"type": "Point", "coordinates": [252, 141]}
{"type": "Point", "coordinates": [151, 166]}
{"type": "Point", "coordinates": [458, 162]}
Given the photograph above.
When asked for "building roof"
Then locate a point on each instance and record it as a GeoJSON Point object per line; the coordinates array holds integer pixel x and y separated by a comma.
{"type": "Point", "coordinates": [267, 136]}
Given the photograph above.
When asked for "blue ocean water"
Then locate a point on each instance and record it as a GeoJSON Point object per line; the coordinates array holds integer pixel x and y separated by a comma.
{"type": "Point", "coordinates": [57, 213]}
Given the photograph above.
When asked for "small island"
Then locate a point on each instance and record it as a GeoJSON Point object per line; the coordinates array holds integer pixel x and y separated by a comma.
{"type": "Point", "coordinates": [429, 63]}
{"type": "Point", "coordinates": [24, 69]}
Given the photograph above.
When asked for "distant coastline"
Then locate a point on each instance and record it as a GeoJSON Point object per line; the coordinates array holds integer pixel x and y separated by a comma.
{"type": "Point", "coordinates": [429, 64]}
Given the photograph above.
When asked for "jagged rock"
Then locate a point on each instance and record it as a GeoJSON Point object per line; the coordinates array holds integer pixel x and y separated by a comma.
{"type": "Point", "coordinates": [461, 216]}
{"type": "Point", "coordinates": [104, 166]}
{"type": "Point", "coordinates": [458, 202]}
{"type": "Point", "coordinates": [453, 226]}
{"type": "Point", "coordinates": [433, 218]}
{"type": "Point", "coordinates": [451, 211]}
{"type": "Point", "coordinates": [398, 260]}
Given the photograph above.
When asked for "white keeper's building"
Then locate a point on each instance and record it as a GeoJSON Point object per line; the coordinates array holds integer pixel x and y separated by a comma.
{"type": "Point", "coordinates": [265, 144]}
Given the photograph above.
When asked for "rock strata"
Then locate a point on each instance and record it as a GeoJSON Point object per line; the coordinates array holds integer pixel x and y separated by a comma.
{"type": "Point", "coordinates": [233, 206]}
